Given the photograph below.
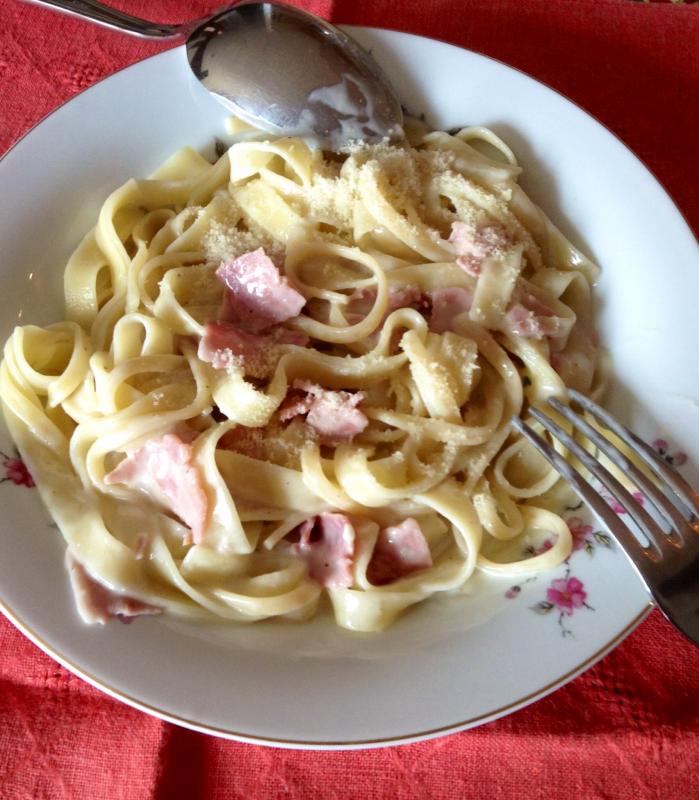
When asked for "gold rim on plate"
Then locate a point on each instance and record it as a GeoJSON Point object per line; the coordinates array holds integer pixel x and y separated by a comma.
{"type": "Point", "coordinates": [312, 744]}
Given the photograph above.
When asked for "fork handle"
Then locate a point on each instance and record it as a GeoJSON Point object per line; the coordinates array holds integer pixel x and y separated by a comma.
{"type": "Point", "coordinates": [112, 18]}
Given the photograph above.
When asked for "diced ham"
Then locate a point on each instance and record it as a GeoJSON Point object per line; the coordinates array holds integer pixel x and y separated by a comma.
{"type": "Point", "coordinates": [224, 345]}
{"type": "Point", "coordinates": [295, 404]}
{"type": "Point", "coordinates": [97, 603]}
{"type": "Point", "coordinates": [400, 550]}
{"type": "Point", "coordinates": [257, 295]}
{"type": "Point", "coordinates": [447, 304]}
{"type": "Point", "coordinates": [360, 304]}
{"type": "Point", "coordinates": [473, 245]}
{"type": "Point", "coordinates": [362, 301]}
{"type": "Point", "coordinates": [527, 316]}
{"type": "Point", "coordinates": [404, 297]}
{"type": "Point", "coordinates": [523, 322]}
{"type": "Point", "coordinates": [165, 469]}
{"type": "Point", "coordinates": [333, 415]}
{"type": "Point", "coordinates": [326, 543]}
{"type": "Point", "coordinates": [531, 302]}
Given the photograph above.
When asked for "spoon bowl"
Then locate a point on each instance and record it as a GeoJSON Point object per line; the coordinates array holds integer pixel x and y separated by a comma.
{"type": "Point", "coordinates": [293, 74]}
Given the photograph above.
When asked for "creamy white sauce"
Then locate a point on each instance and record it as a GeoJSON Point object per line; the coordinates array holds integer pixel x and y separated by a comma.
{"type": "Point", "coordinates": [342, 113]}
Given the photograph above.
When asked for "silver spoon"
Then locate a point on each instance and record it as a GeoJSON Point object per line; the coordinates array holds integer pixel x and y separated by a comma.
{"type": "Point", "coordinates": [276, 67]}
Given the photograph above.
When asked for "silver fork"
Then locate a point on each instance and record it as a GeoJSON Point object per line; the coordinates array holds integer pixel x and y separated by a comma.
{"type": "Point", "coordinates": [669, 564]}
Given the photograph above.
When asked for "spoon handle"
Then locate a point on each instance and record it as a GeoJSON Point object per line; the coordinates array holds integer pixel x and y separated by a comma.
{"type": "Point", "coordinates": [111, 18]}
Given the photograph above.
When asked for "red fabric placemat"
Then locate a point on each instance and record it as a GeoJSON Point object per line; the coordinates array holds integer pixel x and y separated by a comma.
{"type": "Point", "coordinates": [628, 728]}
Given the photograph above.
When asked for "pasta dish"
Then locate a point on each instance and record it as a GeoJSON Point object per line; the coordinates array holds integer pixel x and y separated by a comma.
{"type": "Point", "coordinates": [284, 381]}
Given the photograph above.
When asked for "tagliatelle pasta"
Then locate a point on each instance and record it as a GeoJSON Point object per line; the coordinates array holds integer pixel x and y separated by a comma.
{"type": "Point", "coordinates": [287, 377]}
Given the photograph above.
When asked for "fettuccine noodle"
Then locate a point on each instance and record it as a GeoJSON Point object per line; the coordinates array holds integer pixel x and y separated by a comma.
{"type": "Point", "coordinates": [357, 450]}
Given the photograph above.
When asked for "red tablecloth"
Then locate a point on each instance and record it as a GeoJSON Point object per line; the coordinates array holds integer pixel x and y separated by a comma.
{"type": "Point", "coordinates": [629, 728]}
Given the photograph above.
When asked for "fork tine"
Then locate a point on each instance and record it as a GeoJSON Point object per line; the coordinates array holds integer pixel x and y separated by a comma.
{"type": "Point", "coordinates": [674, 480]}
{"type": "Point", "coordinates": [651, 529]}
{"type": "Point", "coordinates": [659, 500]}
{"type": "Point", "coordinates": [641, 557]}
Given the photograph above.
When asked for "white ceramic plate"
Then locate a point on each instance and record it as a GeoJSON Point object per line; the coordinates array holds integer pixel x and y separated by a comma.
{"type": "Point", "coordinates": [449, 664]}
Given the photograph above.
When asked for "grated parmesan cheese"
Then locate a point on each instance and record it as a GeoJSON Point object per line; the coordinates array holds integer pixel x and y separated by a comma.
{"type": "Point", "coordinates": [225, 242]}
{"type": "Point", "coordinates": [331, 197]}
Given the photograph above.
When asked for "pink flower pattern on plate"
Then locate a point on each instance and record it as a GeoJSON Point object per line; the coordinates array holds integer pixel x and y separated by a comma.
{"type": "Point", "coordinates": [567, 594]}
{"type": "Point", "coordinates": [580, 532]}
{"type": "Point", "coordinates": [677, 459]}
{"type": "Point", "coordinates": [616, 506]}
{"type": "Point", "coordinates": [16, 471]}
{"type": "Point", "coordinates": [547, 544]}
